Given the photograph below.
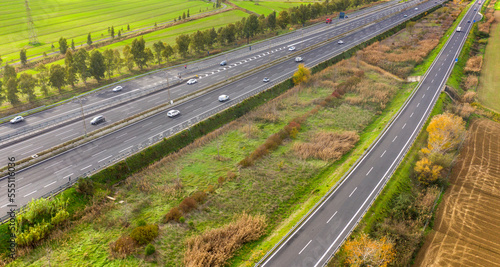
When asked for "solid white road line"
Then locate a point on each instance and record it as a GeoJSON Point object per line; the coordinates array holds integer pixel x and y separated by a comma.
{"type": "Point", "coordinates": [353, 191]}
{"type": "Point", "coordinates": [369, 171]}
{"type": "Point", "coordinates": [331, 217]}
{"type": "Point", "coordinates": [305, 246]}
{"type": "Point", "coordinates": [50, 184]}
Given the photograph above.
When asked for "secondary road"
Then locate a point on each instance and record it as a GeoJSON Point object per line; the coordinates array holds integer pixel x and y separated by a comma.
{"type": "Point", "coordinates": [321, 234]}
{"type": "Point", "coordinates": [209, 72]}
{"type": "Point", "coordinates": [46, 176]}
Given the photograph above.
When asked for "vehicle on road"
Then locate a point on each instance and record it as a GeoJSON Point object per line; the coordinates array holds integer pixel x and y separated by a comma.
{"type": "Point", "coordinates": [192, 81]}
{"type": "Point", "coordinates": [117, 89]}
{"type": "Point", "coordinates": [97, 120]}
{"type": "Point", "coordinates": [459, 29]}
{"type": "Point", "coordinates": [266, 80]}
{"type": "Point", "coordinates": [468, 21]}
{"type": "Point", "coordinates": [223, 98]}
{"type": "Point", "coordinates": [340, 42]}
{"type": "Point", "coordinates": [475, 9]}
{"type": "Point", "coordinates": [172, 113]}
{"type": "Point", "coordinates": [291, 48]}
{"type": "Point", "coordinates": [416, 8]}
{"type": "Point", "coordinates": [405, 16]}
{"type": "Point", "coordinates": [328, 21]}
{"type": "Point", "coordinates": [298, 59]}
{"type": "Point", "coordinates": [223, 63]}
{"type": "Point", "coordinates": [17, 119]}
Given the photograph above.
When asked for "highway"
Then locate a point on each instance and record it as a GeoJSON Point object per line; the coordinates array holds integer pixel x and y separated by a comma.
{"type": "Point", "coordinates": [209, 72]}
{"type": "Point", "coordinates": [317, 239]}
{"type": "Point", "coordinates": [50, 174]}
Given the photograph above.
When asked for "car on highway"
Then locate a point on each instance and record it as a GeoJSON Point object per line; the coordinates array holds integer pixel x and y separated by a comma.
{"type": "Point", "coordinates": [291, 48]}
{"type": "Point", "coordinates": [405, 16]}
{"type": "Point", "coordinates": [475, 9]}
{"type": "Point", "coordinates": [17, 119]}
{"type": "Point", "coordinates": [468, 21]}
{"type": "Point", "coordinates": [97, 120]}
{"type": "Point", "coordinates": [298, 59]}
{"type": "Point", "coordinates": [117, 89]}
{"type": "Point", "coordinates": [223, 63]}
{"type": "Point", "coordinates": [416, 8]}
{"type": "Point", "coordinates": [265, 80]}
{"type": "Point", "coordinates": [172, 113]}
{"type": "Point", "coordinates": [192, 81]}
{"type": "Point", "coordinates": [223, 98]}
{"type": "Point", "coordinates": [340, 42]}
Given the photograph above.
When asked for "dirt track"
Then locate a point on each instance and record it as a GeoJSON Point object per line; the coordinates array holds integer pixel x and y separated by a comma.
{"type": "Point", "coordinates": [467, 225]}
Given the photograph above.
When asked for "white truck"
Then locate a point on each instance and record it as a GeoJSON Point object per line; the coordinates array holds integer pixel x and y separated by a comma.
{"type": "Point", "coordinates": [459, 29]}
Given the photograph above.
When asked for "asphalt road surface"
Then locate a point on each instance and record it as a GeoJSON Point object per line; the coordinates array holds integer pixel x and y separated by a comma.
{"type": "Point", "coordinates": [50, 174]}
{"type": "Point", "coordinates": [321, 234]}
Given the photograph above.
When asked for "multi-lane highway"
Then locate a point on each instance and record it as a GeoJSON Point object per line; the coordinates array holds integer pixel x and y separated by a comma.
{"type": "Point", "coordinates": [43, 177]}
{"type": "Point", "coordinates": [319, 236]}
{"type": "Point", "coordinates": [209, 72]}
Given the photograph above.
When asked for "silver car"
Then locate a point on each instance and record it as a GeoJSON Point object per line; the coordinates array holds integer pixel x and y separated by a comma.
{"type": "Point", "coordinates": [117, 89]}
{"type": "Point", "coordinates": [223, 98]}
{"type": "Point", "coordinates": [298, 59]}
{"type": "Point", "coordinates": [97, 120]}
{"type": "Point", "coordinates": [17, 119]}
{"type": "Point", "coordinates": [191, 81]}
{"type": "Point", "coordinates": [172, 113]}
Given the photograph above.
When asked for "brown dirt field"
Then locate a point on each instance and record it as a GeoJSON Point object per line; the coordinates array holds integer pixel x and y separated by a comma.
{"type": "Point", "coordinates": [467, 228]}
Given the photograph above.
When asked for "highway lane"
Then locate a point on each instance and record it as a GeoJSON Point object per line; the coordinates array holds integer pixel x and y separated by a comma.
{"type": "Point", "coordinates": [261, 55]}
{"type": "Point", "coordinates": [321, 234]}
{"type": "Point", "coordinates": [41, 178]}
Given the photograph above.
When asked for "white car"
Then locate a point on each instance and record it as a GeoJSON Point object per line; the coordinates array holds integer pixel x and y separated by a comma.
{"type": "Point", "coordinates": [17, 119]}
{"type": "Point", "coordinates": [291, 48]}
{"type": "Point", "coordinates": [191, 81]}
{"type": "Point", "coordinates": [117, 89]}
{"type": "Point", "coordinates": [298, 59]}
{"type": "Point", "coordinates": [405, 15]}
{"type": "Point", "coordinates": [223, 98]}
{"type": "Point", "coordinates": [340, 42]}
{"type": "Point", "coordinates": [223, 63]}
{"type": "Point", "coordinates": [172, 113]}
{"type": "Point", "coordinates": [416, 8]}
{"type": "Point", "coordinates": [266, 80]}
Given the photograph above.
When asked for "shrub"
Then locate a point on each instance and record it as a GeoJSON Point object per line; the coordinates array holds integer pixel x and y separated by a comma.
{"type": "Point", "coordinates": [150, 249]}
{"type": "Point", "coordinates": [85, 186]}
{"type": "Point", "coordinates": [141, 223]}
{"type": "Point", "coordinates": [210, 189]}
{"type": "Point", "coordinates": [199, 197]}
{"type": "Point", "coordinates": [231, 175]}
{"type": "Point", "coordinates": [61, 217]}
{"type": "Point", "coordinates": [327, 145]}
{"type": "Point", "coordinates": [173, 215]}
{"type": "Point", "coordinates": [187, 205]}
{"type": "Point", "coordinates": [221, 180]}
{"type": "Point", "coordinates": [144, 234]}
{"type": "Point", "coordinates": [182, 220]}
{"type": "Point", "coordinates": [122, 247]}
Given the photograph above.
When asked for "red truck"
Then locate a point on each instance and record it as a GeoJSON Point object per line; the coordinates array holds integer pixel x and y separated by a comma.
{"type": "Point", "coordinates": [328, 21]}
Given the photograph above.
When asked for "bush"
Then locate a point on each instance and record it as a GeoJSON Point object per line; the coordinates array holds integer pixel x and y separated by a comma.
{"type": "Point", "coordinates": [173, 215]}
{"type": "Point", "coordinates": [200, 197]}
{"type": "Point", "coordinates": [150, 249]}
{"type": "Point", "coordinates": [141, 223]}
{"type": "Point", "coordinates": [144, 234]}
{"type": "Point", "coordinates": [182, 220]}
{"type": "Point", "coordinates": [187, 205]}
{"type": "Point", "coordinates": [231, 175]}
{"type": "Point", "coordinates": [85, 186]}
{"type": "Point", "coordinates": [61, 217]}
{"type": "Point", "coordinates": [221, 180]}
{"type": "Point", "coordinates": [122, 247]}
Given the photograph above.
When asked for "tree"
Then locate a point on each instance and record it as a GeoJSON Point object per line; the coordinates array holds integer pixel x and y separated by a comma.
{"type": "Point", "coordinates": [128, 58]}
{"type": "Point", "coordinates": [250, 27]}
{"type": "Point", "coordinates": [43, 78]}
{"type": "Point", "coordinates": [184, 15]}
{"type": "Point", "coordinates": [283, 19]}
{"type": "Point", "coordinates": [57, 77]}
{"type": "Point", "coordinates": [97, 67]}
{"type": "Point", "coordinates": [302, 75]}
{"type": "Point", "coordinates": [446, 131]}
{"type": "Point", "coordinates": [118, 60]}
{"type": "Point", "coordinates": [183, 41]}
{"type": "Point", "coordinates": [109, 61]}
{"type": "Point", "coordinates": [158, 48]}
{"type": "Point", "coordinates": [149, 55]}
{"type": "Point", "coordinates": [11, 88]}
{"type": "Point", "coordinates": [89, 39]}
{"type": "Point", "coordinates": [197, 41]}
{"type": "Point", "coordinates": [22, 56]}
{"type": "Point", "coordinates": [303, 14]}
{"type": "Point", "coordinates": [188, 13]}
{"type": "Point", "coordinates": [168, 51]}
{"type": "Point", "coordinates": [119, 33]}
{"type": "Point", "coordinates": [410, 26]}
{"type": "Point", "coordinates": [71, 77]}
{"type": "Point", "coordinates": [27, 85]}
{"type": "Point", "coordinates": [112, 32]}
{"type": "Point", "coordinates": [80, 62]}
{"type": "Point", "coordinates": [63, 45]}
{"type": "Point", "coordinates": [364, 251]}
{"type": "Point", "coordinates": [8, 73]}
{"type": "Point", "coordinates": [342, 5]}
{"type": "Point", "coordinates": [271, 21]}
{"type": "Point", "coordinates": [210, 37]}
{"type": "Point", "coordinates": [137, 51]}
{"type": "Point", "coordinates": [68, 58]}
{"type": "Point", "coordinates": [128, 27]}
{"type": "Point", "coordinates": [228, 34]}
{"type": "Point", "coordinates": [427, 172]}
{"type": "Point", "coordinates": [72, 44]}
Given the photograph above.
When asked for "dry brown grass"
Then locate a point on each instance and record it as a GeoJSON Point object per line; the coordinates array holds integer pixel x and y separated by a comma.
{"type": "Point", "coordinates": [469, 97]}
{"type": "Point", "coordinates": [470, 82]}
{"type": "Point", "coordinates": [490, 18]}
{"type": "Point", "coordinates": [327, 145]}
{"type": "Point", "coordinates": [463, 110]}
{"type": "Point", "coordinates": [215, 247]}
{"type": "Point", "coordinates": [474, 64]}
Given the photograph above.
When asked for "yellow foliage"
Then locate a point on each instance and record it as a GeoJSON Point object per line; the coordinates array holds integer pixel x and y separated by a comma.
{"type": "Point", "coordinates": [364, 251]}
{"type": "Point", "coordinates": [446, 131]}
{"type": "Point", "coordinates": [426, 171]}
{"type": "Point", "coordinates": [302, 75]}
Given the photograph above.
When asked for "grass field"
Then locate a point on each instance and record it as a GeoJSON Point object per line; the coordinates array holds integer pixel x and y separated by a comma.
{"type": "Point", "coordinates": [267, 7]}
{"type": "Point", "coordinates": [75, 19]}
{"type": "Point", "coordinates": [489, 81]}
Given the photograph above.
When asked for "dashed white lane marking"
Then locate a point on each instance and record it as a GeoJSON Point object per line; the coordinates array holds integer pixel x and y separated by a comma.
{"type": "Point", "coordinates": [98, 153]}
{"type": "Point", "coordinates": [439, 69]}
{"type": "Point", "coordinates": [125, 149]}
{"type": "Point", "coordinates": [411, 114]}
{"type": "Point", "coordinates": [50, 184]}
{"type": "Point", "coordinates": [31, 150]}
{"type": "Point", "coordinates": [305, 246]}
{"type": "Point", "coordinates": [52, 165]}
{"type": "Point", "coordinates": [403, 126]}
{"type": "Point", "coordinates": [369, 171]}
{"type": "Point", "coordinates": [122, 135]}
{"type": "Point", "coordinates": [423, 96]}
{"type": "Point", "coordinates": [432, 81]}
{"type": "Point", "coordinates": [23, 186]}
{"type": "Point", "coordinates": [69, 175]}
{"type": "Point", "coordinates": [86, 167]}
{"type": "Point", "coordinates": [418, 104]}
{"type": "Point", "coordinates": [353, 191]}
{"type": "Point", "coordinates": [157, 127]}
{"type": "Point", "coordinates": [383, 153]}
{"type": "Point", "coordinates": [22, 148]}
{"type": "Point", "coordinates": [146, 124]}
{"type": "Point", "coordinates": [126, 141]}
{"type": "Point", "coordinates": [30, 193]}
{"type": "Point", "coordinates": [64, 132]}
{"type": "Point", "coordinates": [63, 169]}
{"type": "Point", "coordinates": [428, 88]}
{"type": "Point", "coordinates": [69, 136]}
{"type": "Point", "coordinates": [395, 138]}
{"type": "Point", "coordinates": [104, 159]}
{"type": "Point", "coordinates": [331, 217]}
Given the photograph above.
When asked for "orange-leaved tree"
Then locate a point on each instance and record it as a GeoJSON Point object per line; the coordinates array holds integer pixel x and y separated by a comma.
{"type": "Point", "coordinates": [303, 74]}
{"type": "Point", "coordinates": [446, 131]}
{"type": "Point", "coordinates": [427, 172]}
{"type": "Point", "coordinates": [364, 251]}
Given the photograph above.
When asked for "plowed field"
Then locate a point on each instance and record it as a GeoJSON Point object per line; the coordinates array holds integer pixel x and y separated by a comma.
{"type": "Point", "coordinates": [467, 225]}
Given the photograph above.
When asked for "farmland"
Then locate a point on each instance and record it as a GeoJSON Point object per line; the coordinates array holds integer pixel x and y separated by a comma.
{"type": "Point", "coordinates": [489, 84]}
{"type": "Point", "coordinates": [466, 231]}
{"type": "Point", "coordinates": [267, 7]}
{"type": "Point", "coordinates": [74, 20]}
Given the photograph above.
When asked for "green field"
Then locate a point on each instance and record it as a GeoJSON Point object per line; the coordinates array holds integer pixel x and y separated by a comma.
{"type": "Point", "coordinates": [489, 81]}
{"type": "Point", "coordinates": [267, 7]}
{"type": "Point", "coordinates": [75, 19]}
